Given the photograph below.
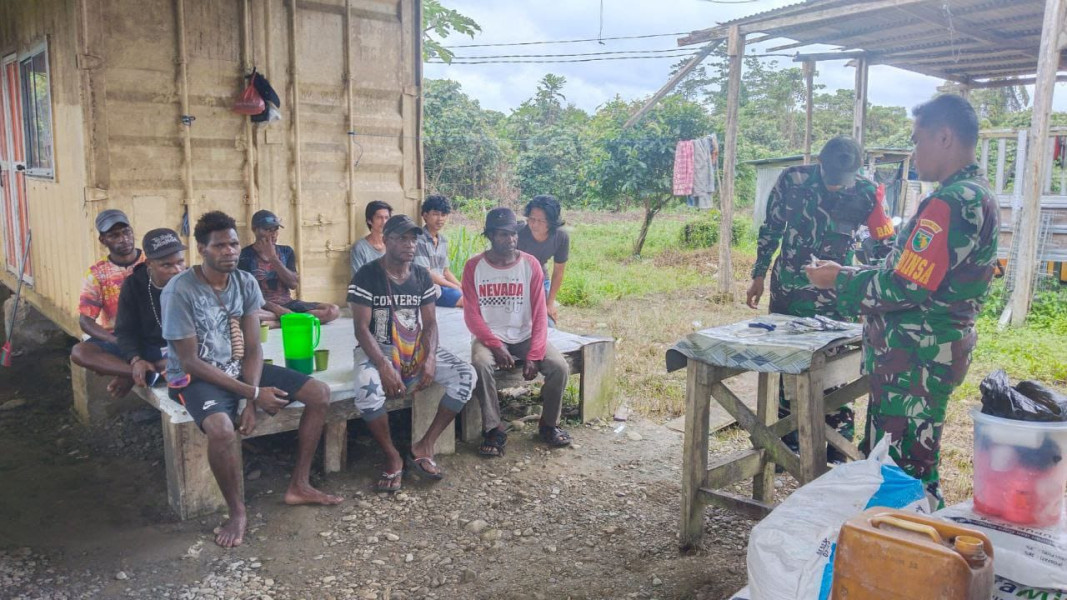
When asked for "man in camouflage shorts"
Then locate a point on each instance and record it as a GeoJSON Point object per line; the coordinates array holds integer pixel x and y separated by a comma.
{"type": "Point", "coordinates": [921, 303]}
{"type": "Point", "coordinates": [816, 210]}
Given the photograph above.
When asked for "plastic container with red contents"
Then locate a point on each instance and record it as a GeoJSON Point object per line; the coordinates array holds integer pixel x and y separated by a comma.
{"type": "Point", "coordinates": [1020, 474]}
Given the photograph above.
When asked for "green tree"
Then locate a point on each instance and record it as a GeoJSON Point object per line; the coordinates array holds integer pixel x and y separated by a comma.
{"type": "Point", "coordinates": [549, 143]}
{"type": "Point", "coordinates": [463, 155]}
{"type": "Point", "coordinates": [637, 164]}
{"type": "Point", "coordinates": [438, 23]}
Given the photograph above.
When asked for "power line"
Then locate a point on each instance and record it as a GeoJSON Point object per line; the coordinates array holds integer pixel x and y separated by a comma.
{"type": "Point", "coordinates": [598, 39]}
{"type": "Point", "coordinates": [604, 53]}
{"type": "Point", "coordinates": [562, 60]}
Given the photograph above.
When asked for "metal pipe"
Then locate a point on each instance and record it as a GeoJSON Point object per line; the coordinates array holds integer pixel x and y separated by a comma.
{"type": "Point", "coordinates": [186, 122]}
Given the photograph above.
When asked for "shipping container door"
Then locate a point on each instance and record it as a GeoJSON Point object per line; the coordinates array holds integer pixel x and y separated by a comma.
{"type": "Point", "coordinates": [12, 168]}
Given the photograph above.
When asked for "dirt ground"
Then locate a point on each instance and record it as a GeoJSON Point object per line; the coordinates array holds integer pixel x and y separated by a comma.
{"type": "Point", "coordinates": [85, 516]}
{"type": "Point", "coordinates": [84, 511]}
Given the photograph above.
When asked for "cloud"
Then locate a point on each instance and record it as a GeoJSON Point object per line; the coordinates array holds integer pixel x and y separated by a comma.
{"type": "Point", "coordinates": [504, 86]}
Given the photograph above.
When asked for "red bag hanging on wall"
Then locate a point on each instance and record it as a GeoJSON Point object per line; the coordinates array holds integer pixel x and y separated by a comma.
{"type": "Point", "coordinates": [249, 102]}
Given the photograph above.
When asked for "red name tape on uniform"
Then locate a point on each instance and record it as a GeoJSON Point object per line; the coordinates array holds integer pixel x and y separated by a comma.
{"type": "Point", "coordinates": [925, 260]}
{"type": "Point", "coordinates": [879, 224]}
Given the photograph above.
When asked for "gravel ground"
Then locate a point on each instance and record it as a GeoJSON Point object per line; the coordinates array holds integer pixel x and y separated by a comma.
{"type": "Point", "coordinates": [88, 518]}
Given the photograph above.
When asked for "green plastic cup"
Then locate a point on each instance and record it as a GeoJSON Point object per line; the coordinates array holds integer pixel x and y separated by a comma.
{"type": "Point", "coordinates": [322, 359]}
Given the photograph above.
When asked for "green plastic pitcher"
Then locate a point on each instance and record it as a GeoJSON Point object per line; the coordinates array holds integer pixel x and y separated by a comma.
{"type": "Point", "coordinates": [300, 337]}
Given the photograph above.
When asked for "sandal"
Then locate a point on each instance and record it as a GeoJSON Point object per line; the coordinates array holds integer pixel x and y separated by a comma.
{"type": "Point", "coordinates": [554, 436]}
{"type": "Point", "coordinates": [389, 479]}
{"type": "Point", "coordinates": [415, 463]}
{"type": "Point", "coordinates": [495, 441]}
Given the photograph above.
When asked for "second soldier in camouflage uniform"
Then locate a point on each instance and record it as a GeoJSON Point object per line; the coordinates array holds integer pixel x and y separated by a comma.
{"type": "Point", "coordinates": [921, 303]}
{"type": "Point", "coordinates": [817, 210]}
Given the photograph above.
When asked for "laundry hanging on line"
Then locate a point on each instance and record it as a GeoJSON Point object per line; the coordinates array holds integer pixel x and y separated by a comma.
{"type": "Point", "coordinates": [695, 164]}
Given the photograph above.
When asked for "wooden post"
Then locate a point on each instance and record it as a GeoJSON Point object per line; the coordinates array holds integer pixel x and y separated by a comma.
{"type": "Point", "coordinates": [809, 76]}
{"type": "Point", "coordinates": [1047, 65]}
{"type": "Point", "coordinates": [699, 377]}
{"type": "Point", "coordinates": [424, 406]}
{"type": "Point", "coordinates": [767, 412]}
{"type": "Point", "coordinates": [350, 197]}
{"type": "Point", "coordinates": [736, 50]}
{"type": "Point", "coordinates": [1002, 160]}
{"type": "Point", "coordinates": [191, 485]}
{"type": "Point", "coordinates": [470, 419]}
{"type": "Point", "coordinates": [247, 64]}
{"type": "Point", "coordinates": [902, 203]}
{"type": "Point", "coordinates": [335, 446]}
{"type": "Point", "coordinates": [294, 110]}
{"type": "Point", "coordinates": [185, 123]}
{"type": "Point", "coordinates": [598, 380]}
{"type": "Point", "coordinates": [859, 112]}
{"type": "Point", "coordinates": [984, 160]}
{"type": "Point", "coordinates": [810, 420]}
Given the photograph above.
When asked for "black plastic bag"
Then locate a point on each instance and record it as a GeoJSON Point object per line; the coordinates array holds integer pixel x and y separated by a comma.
{"type": "Point", "coordinates": [1029, 401]}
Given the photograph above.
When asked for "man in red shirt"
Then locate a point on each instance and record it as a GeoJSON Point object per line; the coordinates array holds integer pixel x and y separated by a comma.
{"type": "Point", "coordinates": [98, 304]}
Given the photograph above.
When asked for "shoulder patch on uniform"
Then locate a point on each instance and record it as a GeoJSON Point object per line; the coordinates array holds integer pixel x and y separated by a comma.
{"type": "Point", "coordinates": [878, 222]}
{"type": "Point", "coordinates": [925, 260]}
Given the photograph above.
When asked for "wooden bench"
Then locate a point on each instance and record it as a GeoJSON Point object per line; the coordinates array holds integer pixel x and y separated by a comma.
{"type": "Point", "coordinates": [191, 487]}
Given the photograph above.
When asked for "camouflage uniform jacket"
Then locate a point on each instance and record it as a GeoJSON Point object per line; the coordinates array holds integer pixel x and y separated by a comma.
{"type": "Point", "coordinates": [922, 301]}
{"type": "Point", "coordinates": [806, 218]}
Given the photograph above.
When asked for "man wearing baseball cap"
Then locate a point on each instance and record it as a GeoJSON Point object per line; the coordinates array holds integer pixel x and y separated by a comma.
{"type": "Point", "coordinates": [392, 302]}
{"type": "Point", "coordinates": [139, 327]}
{"type": "Point", "coordinates": [814, 212]}
{"type": "Point", "coordinates": [98, 303]}
{"type": "Point", "coordinates": [274, 267]}
{"type": "Point", "coordinates": [504, 308]}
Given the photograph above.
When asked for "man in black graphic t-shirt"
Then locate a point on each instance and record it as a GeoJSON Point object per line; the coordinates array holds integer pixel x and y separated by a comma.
{"type": "Point", "coordinates": [392, 304]}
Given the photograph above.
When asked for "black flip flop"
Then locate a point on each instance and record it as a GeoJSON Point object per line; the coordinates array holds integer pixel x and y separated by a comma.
{"type": "Point", "coordinates": [415, 464]}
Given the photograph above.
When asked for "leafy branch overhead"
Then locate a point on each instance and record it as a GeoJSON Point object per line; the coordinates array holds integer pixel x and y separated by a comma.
{"type": "Point", "coordinates": [438, 23]}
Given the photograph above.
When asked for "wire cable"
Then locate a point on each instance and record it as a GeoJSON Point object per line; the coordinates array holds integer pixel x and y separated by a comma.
{"type": "Point", "coordinates": [624, 37]}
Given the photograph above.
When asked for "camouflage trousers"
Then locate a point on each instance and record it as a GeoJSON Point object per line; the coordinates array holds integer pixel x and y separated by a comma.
{"type": "Point", "coordinates": [912, 412]}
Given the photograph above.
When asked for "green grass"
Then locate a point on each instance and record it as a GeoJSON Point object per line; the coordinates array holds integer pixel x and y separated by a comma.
{"type": "Point", "coordinates": [602, 266]}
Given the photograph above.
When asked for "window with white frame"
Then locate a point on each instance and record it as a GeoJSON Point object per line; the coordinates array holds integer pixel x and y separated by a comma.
{"type": "Point", "coordinates": [37, 112]}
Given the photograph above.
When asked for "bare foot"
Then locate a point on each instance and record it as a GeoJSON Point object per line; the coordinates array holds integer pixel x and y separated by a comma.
{"type": "Point", "coordinates": [232, 532]}
{"type": "Point", "coordinates": [309, 495]}
{"type": "Point", "coordinates": [120, 386]}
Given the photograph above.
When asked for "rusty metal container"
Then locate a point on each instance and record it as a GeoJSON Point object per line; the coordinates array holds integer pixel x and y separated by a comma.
{"type": "Point", "coordinates": [887, 554]}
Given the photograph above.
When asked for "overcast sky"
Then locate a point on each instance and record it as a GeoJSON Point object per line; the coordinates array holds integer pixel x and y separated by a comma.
{"type": "Point", "coordinates": [504, 86]}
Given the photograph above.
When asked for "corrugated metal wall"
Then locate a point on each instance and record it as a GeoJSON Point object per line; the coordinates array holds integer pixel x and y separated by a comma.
{"type": "Point", "coordinates": [127, 101]}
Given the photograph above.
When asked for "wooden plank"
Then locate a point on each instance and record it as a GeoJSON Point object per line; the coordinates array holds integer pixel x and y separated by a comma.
{"type": "Point", "coordinates": [598, 381]}
{"type": "Point", "coordinates": [984, 161]}
{"type": "Point", "coordinates": [753, 509]}
{"type": "Point", "coordinates": [667, 87]}
{"type": "Point", "coordinates": [733, 468]}
{"type": "Point", "coordinates": [191, 487]}
{"type": "Point", "coordinates": [967, 29]}
{"type": "Point", "coordinates": [809, 74]}
{"type": "Point", "coordinates": [831, 402]}
{"type": "Point", "coordinates": [761, 435]}
{"type": "Point", "coordinates": [767, 413]}
{"type": "Point", "coordinates": [335, 446]}
{"type": "Point", "coordinates": [859, 108]}
{"type": "Point", "coordinates": [1002, 160]}
{"type": "Point", "coordinates": [842, 368]}
{"type": "Point", "coordinates": [810, 420]}
{"type": "Point", "coordinates": [1047, 65]}
{"type": "Point", "coordinates": [699, 378]}
{"type": "Point", "coordinates": [424, 406]}
{"type": "Point", "coordinates": [736, 51]}
{"type": "Point", "coordinates": [770, 24]}
{"type": "Point", "coordinates": [842, 443]}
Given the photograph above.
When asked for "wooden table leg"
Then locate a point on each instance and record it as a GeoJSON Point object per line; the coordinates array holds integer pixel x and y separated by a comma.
{"type": "Point", "coordinates": [810, 420]}
{"type": "Point", "coordinates": [767, 413]}
{"type": "Point", "coordinates": [191, 486]}
{"type": "Point", "coordinates": [598, 380]}
{"type": "Point", "coordinates": [335, 446]}
{"type": "Point", "coordinates": [699, 377]}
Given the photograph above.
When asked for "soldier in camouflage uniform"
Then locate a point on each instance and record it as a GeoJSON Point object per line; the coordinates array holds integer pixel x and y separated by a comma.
{"type": "Point", "coordinates": [921, 303]}
{"type": "Point", "coordinates": [817, 210]}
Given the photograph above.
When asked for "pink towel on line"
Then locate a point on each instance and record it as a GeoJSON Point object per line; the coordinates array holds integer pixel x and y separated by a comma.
{"type": "Point", "coordinates": [683, 168]}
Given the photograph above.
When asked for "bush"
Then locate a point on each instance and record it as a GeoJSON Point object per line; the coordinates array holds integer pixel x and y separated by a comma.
{"type": "Point", "coordinates": [703, 231]}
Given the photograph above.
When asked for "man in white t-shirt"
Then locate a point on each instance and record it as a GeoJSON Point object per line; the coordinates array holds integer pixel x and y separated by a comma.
{"type": "Point", "coordinates": [504, 308]}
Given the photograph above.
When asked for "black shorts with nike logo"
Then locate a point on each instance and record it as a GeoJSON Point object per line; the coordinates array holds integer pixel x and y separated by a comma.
{"type": "Point", "coordinates": [202, 399]}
